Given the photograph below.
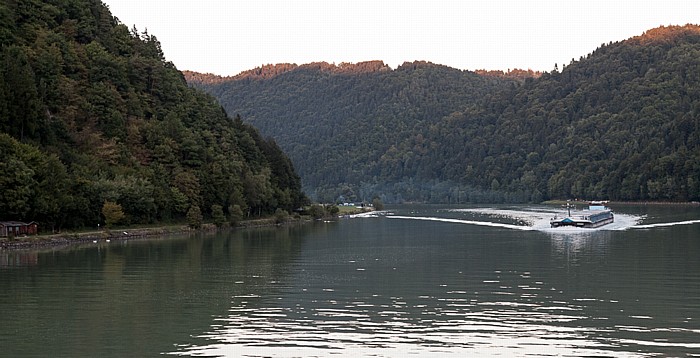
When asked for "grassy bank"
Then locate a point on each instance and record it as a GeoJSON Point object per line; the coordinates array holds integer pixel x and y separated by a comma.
{"type": "Point", "coordinates": [77, 237]}
{"type": "Point", "coordinates": [126, 233]}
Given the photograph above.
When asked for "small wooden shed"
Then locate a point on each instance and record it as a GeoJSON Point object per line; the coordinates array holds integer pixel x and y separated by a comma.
{"type": "Point", "coordinates": [18, 228]}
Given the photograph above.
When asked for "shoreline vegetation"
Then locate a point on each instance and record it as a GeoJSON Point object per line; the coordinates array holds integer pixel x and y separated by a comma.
{"type": "Point", "coordinates": [128, 233]}
{"type": "Point", "coordinates": [71, 238]}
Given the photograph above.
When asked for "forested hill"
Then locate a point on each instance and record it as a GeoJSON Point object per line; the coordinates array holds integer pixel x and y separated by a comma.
{"type": "Point", "coordinates": [340, 123]}
{"type": "Point", "coordinates": [623, 123]}
{"type": "Point", "coordinates": [91, 112]}
{"type": "Point", "coordinates": [620, 123]}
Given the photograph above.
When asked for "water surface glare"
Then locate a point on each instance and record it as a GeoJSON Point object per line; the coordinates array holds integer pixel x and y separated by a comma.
{"type": "Point", "coordinates": [413, 281]}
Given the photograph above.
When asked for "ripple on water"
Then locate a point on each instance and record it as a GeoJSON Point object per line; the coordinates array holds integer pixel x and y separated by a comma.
{"type": "Point", "coordinates": [514, 311]}
{"type": "Point", "coordinates": [422, 325]}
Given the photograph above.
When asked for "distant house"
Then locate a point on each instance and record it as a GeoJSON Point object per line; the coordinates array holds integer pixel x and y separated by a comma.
{"type": "Point", "coordinates": [17, 228]}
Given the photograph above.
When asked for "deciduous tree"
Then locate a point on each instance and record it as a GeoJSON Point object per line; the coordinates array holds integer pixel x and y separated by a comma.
{"type": "Point", "coordinates": [112, 213]}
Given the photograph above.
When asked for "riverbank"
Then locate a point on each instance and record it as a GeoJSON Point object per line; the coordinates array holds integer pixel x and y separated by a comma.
{"type": "Point", "coordinates": [122, 234]}
{"type": "Point", "coordinates": [72, 238]}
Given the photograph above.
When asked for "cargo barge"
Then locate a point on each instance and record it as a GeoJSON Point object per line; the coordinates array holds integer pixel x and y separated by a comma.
{"type": "Point", "coordinates": [596, 215]}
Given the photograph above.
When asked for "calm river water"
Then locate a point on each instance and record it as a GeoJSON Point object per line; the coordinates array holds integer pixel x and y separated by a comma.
{"type": "Point", "coordinates": [414, 281]}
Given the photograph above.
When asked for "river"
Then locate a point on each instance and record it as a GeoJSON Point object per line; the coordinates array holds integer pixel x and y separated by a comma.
{"type": "Point", "coordinates": [412, 281]}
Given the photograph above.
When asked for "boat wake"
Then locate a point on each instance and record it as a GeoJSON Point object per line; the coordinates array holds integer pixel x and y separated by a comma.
{"type": "Point", "coordinates": [538, 219]}
{"type": "Point", "coordinates": [651, 226]}
{"type": "Point", "coordinates": [533, 219]}
{"type": "Point", "coordinates": [460, 221]}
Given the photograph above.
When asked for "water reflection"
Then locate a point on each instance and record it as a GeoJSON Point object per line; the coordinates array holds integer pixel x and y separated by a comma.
{"type": "Point", "coordinates": [18, 258]}
{"type": "Point", "coordinates": [131, 298]}
{"type": "Point", "coordinates": [436, 288]}
{"type": "Point", "coordinates": [512, 314]}
{"type": "Point", "coordinates": [363, 287]}
{"type": "Point", "coordinates": [275, 338]}
{"type": "Point", "coordinates": [574, 248]}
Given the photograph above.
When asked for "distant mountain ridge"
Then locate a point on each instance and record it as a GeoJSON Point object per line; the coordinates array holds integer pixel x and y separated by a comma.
{"type": "Point", "coordinates": [620, 123]}
{"type": "Point", "coordinates": [270, 71]}
{"type": "Point", "coordinates": [669, 34]}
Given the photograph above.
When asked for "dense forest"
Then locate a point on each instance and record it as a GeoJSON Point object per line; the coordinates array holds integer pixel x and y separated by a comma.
{"type": "Point", "coordinates": [341, 123]}
{"type": "Point", "coordinates": [92, 113]}
{"type": "Point", "coordinates": [620, 123]}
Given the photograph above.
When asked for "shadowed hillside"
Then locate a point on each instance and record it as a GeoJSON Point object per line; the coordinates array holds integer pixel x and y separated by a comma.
{"type": "Point", "coordinates": [341, 123]}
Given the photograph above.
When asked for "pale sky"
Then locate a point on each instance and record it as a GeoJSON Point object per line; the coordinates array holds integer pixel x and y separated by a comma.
{"type": "Point", "coordinates": [226, 37]}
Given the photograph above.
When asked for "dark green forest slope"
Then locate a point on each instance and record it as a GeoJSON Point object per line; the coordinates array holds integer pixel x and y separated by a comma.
{"type": "Point", "coordinates": [342, 125]}
{"type": "Point", "coordinates": [620, 123]}
{"type": "Point", "coordinates": [90, 111]}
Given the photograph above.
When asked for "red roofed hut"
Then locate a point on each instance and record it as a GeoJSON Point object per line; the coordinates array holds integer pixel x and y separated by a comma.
{"type": "Point", "coordinates": [18, 228]}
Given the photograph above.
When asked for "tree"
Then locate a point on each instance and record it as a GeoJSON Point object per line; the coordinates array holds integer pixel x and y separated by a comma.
{"type": "Point", "coordinates": [194, 217]}
{"type": "Point", "coordinates": [317, 211]}
{"type": "Point", "coordinates": [187, 183]}
{"type": "Point", "coordinates": [112, 212]}
{"type": "Point", "coordinates": [23, 102]}
{"type": "Point", "coordinates": [281, 216]}
{"type": "Point", "coordinates": [235, 214]}
{"type": "Point", "coordinates": [16, 186]}
{"type": "Point", "coordinates": [333, 210]}
{"type": "Point", "coordinates": [377, 204]}
{"type": "Point", "coordinates": [217, 214]}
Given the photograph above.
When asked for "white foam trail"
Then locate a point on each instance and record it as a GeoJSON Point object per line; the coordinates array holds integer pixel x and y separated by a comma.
{"type": "Point", "coordinates": [369, 214]}
{"type": "Point", "coordinates": [470, 222]}
{"type": "Point", "coordinates": [649, 226]}
{"type": "Point", "coordinates": [540, 220]}
{"type": "Point", "coordinates": [537, 218]}
{"type": "Point", "coordinates": [532, 218]}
